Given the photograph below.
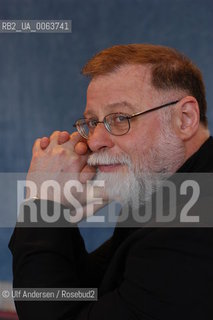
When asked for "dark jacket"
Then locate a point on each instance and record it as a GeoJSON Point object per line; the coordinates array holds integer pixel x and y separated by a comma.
{"type": "Point", "coordinates": [141, 273]}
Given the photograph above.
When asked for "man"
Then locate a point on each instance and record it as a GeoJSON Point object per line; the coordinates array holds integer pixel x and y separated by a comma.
{"type": "Point", "coordinates": [145, 119]}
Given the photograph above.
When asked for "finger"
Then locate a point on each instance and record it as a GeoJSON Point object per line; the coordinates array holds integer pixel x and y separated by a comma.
{"type": "Point", "coordinates": [44, 142]}
{"type": "Point", "coordinates": [81, 148]}
{"type": "Point", "coordinates": [75, 137]}
{"type": "Point", "coordinates": [54, 138]}
{"type": "Point", "coordinates": [87, 173]}
{"type": "Point", "coordinates": [36, 146]}
{"type": "Point", "coordinates": [63, 137]}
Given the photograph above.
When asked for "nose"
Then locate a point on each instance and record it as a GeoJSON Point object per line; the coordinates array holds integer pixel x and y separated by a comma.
{"type": "Point", "coordinates": [100, 138]}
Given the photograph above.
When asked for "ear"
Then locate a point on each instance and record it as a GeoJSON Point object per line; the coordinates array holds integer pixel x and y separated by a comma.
{"type": "Point", "coordinates": [187, 118]}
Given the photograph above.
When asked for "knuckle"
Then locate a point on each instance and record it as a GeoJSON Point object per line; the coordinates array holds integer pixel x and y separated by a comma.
{"type": "Point", "coordinates": [60, 152]}
{"type": "Point", "coordinates": [54, 135]}
{"type": "Point", "coordinates": [74, 135]}
{"type": "Point", "coordinates": [65, 132]}
{"type": "Point", "coordinates": [77, 160]}
{"type": "Point", "coordinates": [36, 143]}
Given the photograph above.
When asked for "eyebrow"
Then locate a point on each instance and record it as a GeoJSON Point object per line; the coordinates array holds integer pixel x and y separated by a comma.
{"type": "Point", "coordinates": [111, 106]}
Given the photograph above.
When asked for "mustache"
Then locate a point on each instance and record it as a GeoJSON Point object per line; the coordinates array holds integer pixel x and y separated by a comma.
{"type": "Point", "coordinates": [104, 158]}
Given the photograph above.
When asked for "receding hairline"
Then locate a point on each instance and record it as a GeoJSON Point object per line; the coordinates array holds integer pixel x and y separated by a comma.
{"type": "Point", "coordinates": [108, 60]}
{"type": "Point", "coordinates": [142, 70]}
{"type": "Point", "coordinates": [144, 73]}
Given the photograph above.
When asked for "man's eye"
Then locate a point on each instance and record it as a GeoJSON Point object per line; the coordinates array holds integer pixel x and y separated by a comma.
{"type": "Point", "coordinates": [92, 123]}
{"type": "Point", "coordinates": [120, 118]}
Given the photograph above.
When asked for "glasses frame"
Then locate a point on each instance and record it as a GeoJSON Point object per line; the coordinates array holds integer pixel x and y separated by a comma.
{"type": "Point", "coordinates": [128, 117]}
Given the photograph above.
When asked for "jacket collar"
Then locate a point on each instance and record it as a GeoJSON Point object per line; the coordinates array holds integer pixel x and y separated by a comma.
{"type": "Point", "coordinates": [201, 160]}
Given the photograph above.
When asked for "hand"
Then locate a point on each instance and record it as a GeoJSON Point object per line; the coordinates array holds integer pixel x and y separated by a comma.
{"type": "Point", "coordinates": [81, 148]}
{"type": "Point", "coordinates": [61, 158]}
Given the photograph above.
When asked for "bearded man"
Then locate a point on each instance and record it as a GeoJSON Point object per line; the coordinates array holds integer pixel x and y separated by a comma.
{"type": "Point", "coordinates": [144, 121]}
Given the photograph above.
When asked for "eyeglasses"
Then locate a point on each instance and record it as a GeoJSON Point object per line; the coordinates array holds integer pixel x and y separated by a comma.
{"type": "Point", "coordinates": [117, 123]}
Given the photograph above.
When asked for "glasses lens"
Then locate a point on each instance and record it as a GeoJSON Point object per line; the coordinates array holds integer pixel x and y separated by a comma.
{"type": "Point", "coordinates": [117, 123]}
{"type": "Point", "coordinates": [82, 128]}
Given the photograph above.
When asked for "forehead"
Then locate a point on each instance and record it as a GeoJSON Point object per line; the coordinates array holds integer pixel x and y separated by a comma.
{"type": "Point", "coordinates": [122, 90]}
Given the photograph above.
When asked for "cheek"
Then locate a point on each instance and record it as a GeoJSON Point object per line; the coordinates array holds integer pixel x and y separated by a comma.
{"type": "Point", "coordinates": [126, 143]}
{"type": "Point", "coordinates": [138, 147]}
{"type": "Point", "coordinates": [132, 146]}
{"type": "Point", "coordinates": [139, 141]}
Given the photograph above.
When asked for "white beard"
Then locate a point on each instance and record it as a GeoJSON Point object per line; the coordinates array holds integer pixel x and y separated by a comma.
{"type": "Point", "coordinates": [136, 184]}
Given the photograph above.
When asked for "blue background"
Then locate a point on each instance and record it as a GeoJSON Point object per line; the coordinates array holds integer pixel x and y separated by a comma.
{"type": "Point", "coordinates": [41, 89]}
